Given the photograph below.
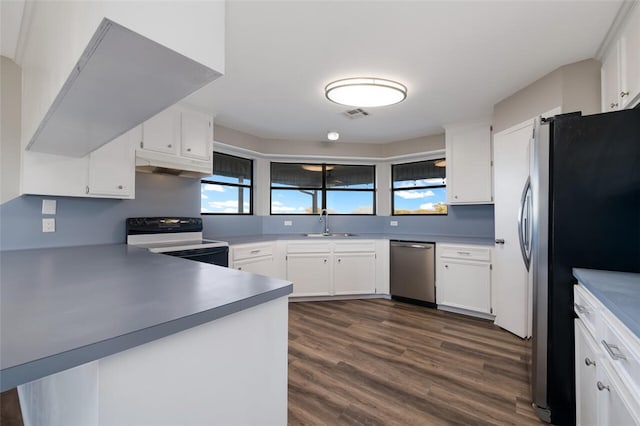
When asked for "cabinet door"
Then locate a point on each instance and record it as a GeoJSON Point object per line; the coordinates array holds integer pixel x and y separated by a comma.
{"type": "Point", "coordinates": [586, 388]}
{"type": "Point", "coordinates": [465, 285]}
{"type": "Point", "coordinates": [197, 135]}
{"type": "Point", "coordinates": [112, 169]}
{"type": "Point", "coordinates": [630, 60]}
{"type": "Point", "coordinates": [614, 400]}
{"type": "Point", "coordinates": [609, 81]}
{"type": "Point", "coordinates": [262, 266]}
{"type": "Point", "coordinates": [469, 174]}
{"type": "Point", "coordinates": [310, 274]}
{"type": "Point", "coordinates": [354, 273]}
{"type": "Point", "coordinates": [161, 133]}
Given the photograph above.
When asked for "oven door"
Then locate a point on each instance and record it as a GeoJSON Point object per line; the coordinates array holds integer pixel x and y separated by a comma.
{"type": "Point", "coordinates": [214, 255]}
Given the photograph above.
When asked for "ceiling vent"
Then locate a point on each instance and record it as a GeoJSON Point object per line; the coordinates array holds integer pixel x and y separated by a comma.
{"type": "Point", "coordinates": [356, 113]}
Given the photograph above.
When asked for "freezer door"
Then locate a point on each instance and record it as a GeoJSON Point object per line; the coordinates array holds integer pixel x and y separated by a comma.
{"type": "Point", "coordinates": [539, 258]}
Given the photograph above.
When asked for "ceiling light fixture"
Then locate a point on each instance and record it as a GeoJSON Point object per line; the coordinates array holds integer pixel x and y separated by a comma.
{"type": "Point", "coordinates": [440, 163]}
{"type": "Point", "coordinates": [315, 167]}
{"type": "Point", "coordinates": [333, 136]}
{"type": "Point", "coordinates": [365, 92]}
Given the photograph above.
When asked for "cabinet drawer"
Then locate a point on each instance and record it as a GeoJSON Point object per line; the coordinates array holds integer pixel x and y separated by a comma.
{"type": "Point", "coordinates": [253, 250]}
{"type": "Point", "coordinates": [354, 246]}
{"type": "Point", "coordinates": [622, 348]}
{"type": "Point", "coordinates": [586, 308]}
{"type": "Point", "coordinates": [466, 252]}
{"type": "Point", "coordinates": [309, 247]}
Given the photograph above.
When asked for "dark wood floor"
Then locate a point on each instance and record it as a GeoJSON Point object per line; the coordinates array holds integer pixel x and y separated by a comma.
{"type": "Point", "coordinates": [381, 362]}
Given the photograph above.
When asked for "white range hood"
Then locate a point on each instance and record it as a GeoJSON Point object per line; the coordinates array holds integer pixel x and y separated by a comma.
{"type": "Point", "coordinates": [121, 80]}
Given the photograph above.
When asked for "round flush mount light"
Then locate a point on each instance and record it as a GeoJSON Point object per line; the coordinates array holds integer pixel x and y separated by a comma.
{"type": "Point", "coordinates": [333, 136]}
{"type": "Point", "coordinates": [365, 92]}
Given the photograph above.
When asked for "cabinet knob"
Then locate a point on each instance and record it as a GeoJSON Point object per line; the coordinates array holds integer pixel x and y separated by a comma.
{"type": "Point", "coordinates": [623, 94]}
{"type": "Point", "coordinates": [339, 260]}
{"type": "Point", "coordinates": [188, 149]}
{"type": "Point", "coordinates": [602, 386]}
{"type": "Point", "coordinates": [446, 266]}
{"type": "Point", "coordinates": [613, 104]}
{"type": "Point", "coordinates": [239, 268]}
{"type": "Point", "coordinates": [456, 197]}
{"type": "Point", "coordinates": [169, 146]}
{"type": "Point", "coordinates": [325, 260]}
{"type": "Point", "coordinates": [588, 362]}
{"type": "Point", "coordinates": [120, 187]}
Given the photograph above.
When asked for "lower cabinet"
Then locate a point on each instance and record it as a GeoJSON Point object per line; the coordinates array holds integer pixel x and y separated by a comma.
{"type": "Point", "coordinates": [607, 365]}
{"type": "Point", "coordinates": [354, 273]}
{"type": "Point", "coordinates": [309, 273]}
{"type": "Point", "coordinates": [257, 258]}
{"type": "Point", "coordinates": [331, 268]}
{"type": "Point", "coordinates": [463, 277]}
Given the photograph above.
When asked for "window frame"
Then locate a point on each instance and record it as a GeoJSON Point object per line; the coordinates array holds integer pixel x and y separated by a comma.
{"type": "Point", "coordinates": [393, 189]}
{"type": "Point", "coordinates": [233, 185]}
{"type": "Point", "coordinates": [323, 189]}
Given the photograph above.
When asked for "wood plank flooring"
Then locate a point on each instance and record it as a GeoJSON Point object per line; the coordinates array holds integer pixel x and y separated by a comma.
{"type": "Point", "coordinates": [381, 362]}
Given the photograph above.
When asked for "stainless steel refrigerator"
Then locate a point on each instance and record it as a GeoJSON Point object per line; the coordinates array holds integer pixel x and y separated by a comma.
{"type": "Point", "coordinates": [585, 193]}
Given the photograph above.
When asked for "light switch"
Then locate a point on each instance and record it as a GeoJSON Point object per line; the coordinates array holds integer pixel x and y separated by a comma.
{"type": "Point", "coordinates": [48, 224]}
{"type": "Point", "coordinates": [288, 223]}
{"type": "Point", "coordinates": [393, 223]}
{"type": "Point", "coordinates": [49, 206]}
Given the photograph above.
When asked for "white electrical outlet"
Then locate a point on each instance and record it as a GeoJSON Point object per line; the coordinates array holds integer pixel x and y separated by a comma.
{"type": "Point", "coordinates": [393, 223]}
{"type": "Point", "coordinates": [48, 224]}
{"type": "Point", "coordinates": [288, 223]}
{"type": "Point", "coordinates": [48, 206]}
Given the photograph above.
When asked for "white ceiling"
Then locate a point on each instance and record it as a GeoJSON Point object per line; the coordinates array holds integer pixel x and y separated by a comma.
{"type": "Point", "coordinates": [457, 58]}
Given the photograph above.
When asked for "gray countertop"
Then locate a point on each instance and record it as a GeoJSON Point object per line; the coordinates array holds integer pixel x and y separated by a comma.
{"type": "Point", "coordinates": [245, 239]}
{"type": "Point", "coordinates": [618, 291]}
{"type": "Point", "coordinates": [64, 307]}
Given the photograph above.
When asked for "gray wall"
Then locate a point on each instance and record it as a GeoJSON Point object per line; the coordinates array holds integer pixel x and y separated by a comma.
{"type": "Point", "coordinates": [85, 221]}
{"type": "Point", "coordinates": [325, 148]}
{"type": "Point", "coordinates": [573, 87]}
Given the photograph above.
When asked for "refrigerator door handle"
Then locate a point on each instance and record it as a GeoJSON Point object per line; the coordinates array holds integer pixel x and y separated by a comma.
{"type": "Point", "coordinates": [524, 225]}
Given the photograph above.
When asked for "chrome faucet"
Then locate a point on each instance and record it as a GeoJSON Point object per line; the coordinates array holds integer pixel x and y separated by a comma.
{"type": "Point", "coordinates": [325, 212]}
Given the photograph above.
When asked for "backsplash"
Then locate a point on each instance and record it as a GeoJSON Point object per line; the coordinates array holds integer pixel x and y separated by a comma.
{"type": "Point", "coordinates": [84, 221]}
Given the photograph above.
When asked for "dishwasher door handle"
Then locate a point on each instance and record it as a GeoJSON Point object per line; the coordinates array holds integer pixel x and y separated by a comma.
{"type": "Point", "coordinates": [416, 246]}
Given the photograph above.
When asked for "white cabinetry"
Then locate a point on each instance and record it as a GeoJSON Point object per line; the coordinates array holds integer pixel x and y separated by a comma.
{"type": "Point", "coordinates": [620, 73]}
{"type": "Point", "coordinates": [331, 268]}
{"type": "Point", "coordinates": [607, 365]}
{"type": "Point", "coordinates": [108, 172]}
{"type": "Point", "coordinates": [177, 138]}
{"type": "Point", "coordinates": [309, 268]}
{"type": "Point", "coordinates": [354, 267]}
{"type": "Point", "coordinates": [469, 164]}
{"type": "Point", "coordinates": [258, 258]}
{"type": "Point", "coordinates": [463, 278]}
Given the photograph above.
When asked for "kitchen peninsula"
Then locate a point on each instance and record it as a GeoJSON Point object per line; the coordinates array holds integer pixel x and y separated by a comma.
{"type": "Point", "coordinates": [114, 334]}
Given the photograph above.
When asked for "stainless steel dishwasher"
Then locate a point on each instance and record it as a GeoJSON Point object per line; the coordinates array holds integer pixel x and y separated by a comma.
{"type": "Point", "coordinates": [413, 277]}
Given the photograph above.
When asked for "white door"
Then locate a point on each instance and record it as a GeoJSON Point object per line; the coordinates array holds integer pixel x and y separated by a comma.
{"type": "Point", "coordinates": [112, 168]}
{"type": "Point", "coordinates": [511, 301]}
{"type": "Point", "coordinates": [262, 265]}
{"type": "Point", "coordinates": [586, 390]}
{"type": "Point", "coordinates": [197, 135]}
{"type": "Point", "coordinates": [465, 284]}
{"type": "Point", "coordinates": [354, 273]}
{"type": "Point", "coordinates": [161, 133]}
{"type": "Point", "coordinates": [310, 274]}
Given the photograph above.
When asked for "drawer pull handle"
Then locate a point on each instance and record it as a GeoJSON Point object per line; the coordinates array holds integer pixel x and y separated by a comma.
{"type": "Point", "coordinates": [614, 351]}
{"type": "Point", "coordinates": [581, 309]}
{"type": "Point", "coordinates": [588, 362]}
{"type": "Point", "coordinates": [464, 253]}
{"type": "Point", "coordinates": [602, 386]}
{"type": "Point", "coordinates": [255, 251]}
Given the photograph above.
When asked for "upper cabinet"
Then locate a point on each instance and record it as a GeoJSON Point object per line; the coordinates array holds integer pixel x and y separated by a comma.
{"type": "Point", "coordinates": [94, 70]}
{"type": "Point", "coordinates": [180, 139]}
{"type": "Point", "coordinates": [469, 164]}
{"type": "Point", "coordinates": [620, 74]}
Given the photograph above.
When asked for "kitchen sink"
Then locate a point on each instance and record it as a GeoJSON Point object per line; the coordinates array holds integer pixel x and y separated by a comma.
{"type": "Point", "coordinates": [336, 234]}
